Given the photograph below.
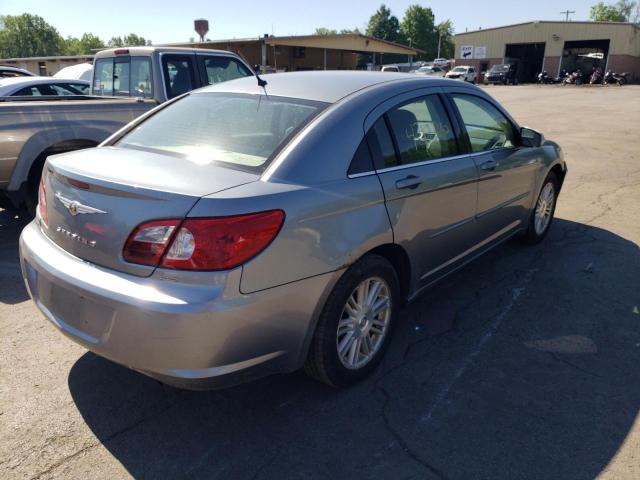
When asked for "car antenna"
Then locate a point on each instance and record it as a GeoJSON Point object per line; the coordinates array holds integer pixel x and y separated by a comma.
{"type": "Point", "coordinates": [261, 82]}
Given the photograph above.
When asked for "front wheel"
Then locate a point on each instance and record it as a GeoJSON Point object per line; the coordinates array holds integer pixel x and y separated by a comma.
{"type": "Point", "coordinates": [543, 211]}
{"type": "Point", "coordinates": [355, 325]}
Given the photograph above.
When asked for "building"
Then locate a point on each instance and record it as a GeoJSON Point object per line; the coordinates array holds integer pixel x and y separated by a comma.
{"type": "Point", "coordinates": [308, 52]}
{"type": "Point", "coordinates": [553, 46]}
{"type": "Point", "coordinates": [46, 66]}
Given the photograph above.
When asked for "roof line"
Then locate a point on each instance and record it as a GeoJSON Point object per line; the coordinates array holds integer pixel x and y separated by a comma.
{"type": "Point", "coordinates": [549, 21]}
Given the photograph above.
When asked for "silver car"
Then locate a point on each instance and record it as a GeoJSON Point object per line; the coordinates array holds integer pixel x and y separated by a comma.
{"type": "Point", "coordinates": [243, 230]}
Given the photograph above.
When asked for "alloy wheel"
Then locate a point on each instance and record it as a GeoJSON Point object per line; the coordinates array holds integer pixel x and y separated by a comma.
{"type": "Point", "coordinates": [364, 323]}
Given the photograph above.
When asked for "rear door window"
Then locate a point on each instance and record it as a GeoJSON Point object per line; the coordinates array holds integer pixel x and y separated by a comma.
{"type": "Point", "coordinates": [123, 76]}
{"type": "Point", "coordinates": [221, 68]}
{"type": "Point", "coordinates": [178, 74]}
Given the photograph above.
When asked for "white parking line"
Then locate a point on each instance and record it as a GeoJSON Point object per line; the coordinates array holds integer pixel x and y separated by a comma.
{"type": "Point", "coordinates": [485, 338]}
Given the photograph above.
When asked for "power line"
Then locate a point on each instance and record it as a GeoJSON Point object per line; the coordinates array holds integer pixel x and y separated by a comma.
{"type": "Point", "coordinates": [566, 14]}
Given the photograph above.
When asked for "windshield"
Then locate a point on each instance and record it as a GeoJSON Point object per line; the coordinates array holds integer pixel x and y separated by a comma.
{"type": "Point", "coordinates": [500, 68]}
{"type": "Point", "coordinates": [239, 129]}
{"type": "Point", "coordinates": [459, 69]}
{"type": "Point", "coordinates": [424, 69]}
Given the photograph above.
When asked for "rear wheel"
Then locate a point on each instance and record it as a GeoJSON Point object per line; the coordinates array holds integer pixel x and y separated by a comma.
{"type": "Point", "coordinates": [544, 209]}
{"type": "Point", "coordinates": [354, 328]}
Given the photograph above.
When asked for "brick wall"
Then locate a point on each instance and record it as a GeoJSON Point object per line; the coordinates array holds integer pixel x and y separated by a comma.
{"type": "Point", "coordinates": [625, 63]}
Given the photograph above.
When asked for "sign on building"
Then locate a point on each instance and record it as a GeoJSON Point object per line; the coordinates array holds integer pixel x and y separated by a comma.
{"type": "Point", "coordinates": [480, 52]}
{"type": "Point", "coordinates": [466, 52]}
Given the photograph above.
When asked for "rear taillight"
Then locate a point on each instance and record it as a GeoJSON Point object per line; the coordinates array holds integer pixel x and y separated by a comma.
{"type": "Point", "coordinates": [148, 242]}
{"type": "Point", "coordinates": [42, 202]}
{"type": "Point", "coordinates": [218, 243]}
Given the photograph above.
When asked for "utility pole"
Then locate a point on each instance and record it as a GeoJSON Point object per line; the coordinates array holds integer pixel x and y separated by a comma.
{"type": "Point", "coordinates": [409, 59]}
{"type": "Point", "coordinates": [439, 41]}
{"type": "Point", "coordinates": [566, 14]}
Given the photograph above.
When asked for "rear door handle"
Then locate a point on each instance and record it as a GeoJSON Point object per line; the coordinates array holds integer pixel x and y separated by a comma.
{"type": "Point", "coordinates": [411, 182]}
{"type": "Point", "coordinates": [489, 165]}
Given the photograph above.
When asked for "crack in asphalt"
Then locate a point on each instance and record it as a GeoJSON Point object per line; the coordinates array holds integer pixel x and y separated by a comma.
{"type": "Point", "coordinates": [111, 437]}
{"type": "Point", "coordinates": [400, 439]}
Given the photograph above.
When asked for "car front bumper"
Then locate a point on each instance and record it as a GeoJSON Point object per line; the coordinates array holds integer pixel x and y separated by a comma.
{"type": "Point", "coordinates": [195, 331]}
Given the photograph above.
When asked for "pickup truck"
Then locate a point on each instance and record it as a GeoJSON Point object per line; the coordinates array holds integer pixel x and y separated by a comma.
{"type": "Point", "coordinates": [126, 83]}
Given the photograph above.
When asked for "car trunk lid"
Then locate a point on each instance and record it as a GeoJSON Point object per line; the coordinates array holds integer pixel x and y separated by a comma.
{"type": "Point", "coordinates": [97, 197]}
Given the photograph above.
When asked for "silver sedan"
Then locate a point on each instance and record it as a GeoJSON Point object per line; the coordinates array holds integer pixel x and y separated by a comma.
{"type": "Point", "coordinates": [247, 229]}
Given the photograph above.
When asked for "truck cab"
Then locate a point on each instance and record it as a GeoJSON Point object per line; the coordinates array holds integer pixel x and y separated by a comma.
{"type": "Point", "coordinates": [162, 73]}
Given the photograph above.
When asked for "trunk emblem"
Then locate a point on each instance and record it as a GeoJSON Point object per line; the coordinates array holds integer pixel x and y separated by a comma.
{"type": "Point", "coordinates": [76, 207]}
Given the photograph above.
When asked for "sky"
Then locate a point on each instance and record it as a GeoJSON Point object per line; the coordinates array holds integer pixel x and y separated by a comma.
{"type": "Point", "coordinates": [165, 21]}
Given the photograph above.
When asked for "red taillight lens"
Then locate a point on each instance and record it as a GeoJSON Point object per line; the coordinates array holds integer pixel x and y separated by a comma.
{"type": "Point", "coordinates": [42, 201]}
{"type": "Point", "coordinates": [222, 243]}
{"type": "Point", "coordinates": [148, 242]}
{"type": "Point", "coordinates": [218, 243]}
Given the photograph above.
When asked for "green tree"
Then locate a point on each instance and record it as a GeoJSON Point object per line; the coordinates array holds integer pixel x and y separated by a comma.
{"type": "Point", "coordinates": [445, 31]}
{"type": "Point", "coordinates": [384, 25]}
{"type": "Point", "coordinates": [325, 31]}
{"type": "Point", "coordinates": [617, 12]}
{"type": "Point", "coordinates": [82, 46]}
{"type": "Point", "coordinates": [131, 40]}
{"type": "Point", "coordinates": [28, 35]}
{"type": "Point", "coordinates": [350, 30]}
{"type": "Point", "coordinates": [418, 30]}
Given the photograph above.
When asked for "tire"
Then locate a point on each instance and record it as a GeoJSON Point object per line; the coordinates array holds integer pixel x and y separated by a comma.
{"type": "Point", "coordinates": [323, 362]}
{"type": "Point", "coordinates": [534, 233]}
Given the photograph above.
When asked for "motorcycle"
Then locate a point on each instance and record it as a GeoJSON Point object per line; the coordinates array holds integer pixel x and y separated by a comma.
{"type": "Point", "coordinates": [618, 78]}
{"type": "Point", "coordinates": [544, 78]}
{"type": "Point", "coordinates": [574, 78]}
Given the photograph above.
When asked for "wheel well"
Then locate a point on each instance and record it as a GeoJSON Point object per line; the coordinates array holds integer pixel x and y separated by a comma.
{"type": "Point", "coordinates": [66, 146]}
{"type": "Point", "coordinates": [560, 173]}
{"type": "Point", "coordinates": [398, 257]}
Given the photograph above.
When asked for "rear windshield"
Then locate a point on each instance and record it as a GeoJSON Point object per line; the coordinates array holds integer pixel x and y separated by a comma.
{"type": "Point", "coordinates": [238, 129]}
{"type": "Point", "coordinates": [500, 68]}
{"type": "Point", "coordinates": [123, 76]}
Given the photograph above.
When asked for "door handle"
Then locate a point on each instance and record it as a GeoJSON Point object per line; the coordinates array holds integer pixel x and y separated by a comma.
{"type": "Point", "coordinates": [489, 165]}
{"type": "Point", "coordinates": [411, 182]}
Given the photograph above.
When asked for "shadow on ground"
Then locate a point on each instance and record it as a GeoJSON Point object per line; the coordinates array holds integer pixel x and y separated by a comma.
{"type": "Point", "coordinates": [522, 365]}
{"type": "Point", "coordinates": [12, 288]}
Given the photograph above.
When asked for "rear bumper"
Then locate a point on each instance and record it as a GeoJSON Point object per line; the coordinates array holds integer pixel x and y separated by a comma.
{"type": "Point", "coordinates": [196, 332]}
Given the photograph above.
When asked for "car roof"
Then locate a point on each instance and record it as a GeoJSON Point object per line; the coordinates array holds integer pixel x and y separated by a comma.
{"type": "Point", "coordinates": [8, 68]}
{"type": "Point", "coordinates": [321, 86]}
{"type": "Point", "coordinates": [148, 50]}
{"type": "Point", "coordinates": [16, 81]}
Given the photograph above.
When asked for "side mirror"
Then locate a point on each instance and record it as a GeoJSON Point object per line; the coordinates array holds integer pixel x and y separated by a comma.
{"type": "Point", "coordinates": [531, 138]}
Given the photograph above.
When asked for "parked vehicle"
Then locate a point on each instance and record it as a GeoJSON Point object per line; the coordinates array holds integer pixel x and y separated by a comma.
{"type": "Point", "coordinates": [241, 231]}
{"type": "Point", "coordinates": [142, 76]}
{"type": "Point", "coordinates": [463, 72]}
{"type": "Point", "coordinates": [431, 71]}
{"type": "Point", "coordinates": [441, 62]}
{"type": "Point", "coordinates": [617, 78]}
{"type": "Point", "coordinates": [596, 76]}
{"type": "Point", "coordinates": [10, 72]}
{"type": "Point", "coordinates": [573, 78]}
{"type": "Point", "coordinates": [82, 71]}
{"type": "Point", "coordinates": [503, 73]}
{"type": "Point", "coordinates": [544, 78]}
{"type": "Point", "coordinates": [42, 86]}
{"type": "Point", "coordinates": [390, 68]}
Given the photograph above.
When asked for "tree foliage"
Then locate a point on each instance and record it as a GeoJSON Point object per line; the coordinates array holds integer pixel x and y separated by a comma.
{"type": "Point", "coordinates": [384, 25]}
{"type": "Point", "coordinates": [617, 12]}
{"type": "Point", "coordinates": [28, 35]}
{"type": "Point", "coordinates": [418, 30]}
{"type": "Point", "coordinates": [85, 45]}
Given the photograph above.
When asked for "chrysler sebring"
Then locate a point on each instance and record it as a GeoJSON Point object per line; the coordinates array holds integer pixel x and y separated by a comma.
{"type": "Point", "coordinates": [245, 229]}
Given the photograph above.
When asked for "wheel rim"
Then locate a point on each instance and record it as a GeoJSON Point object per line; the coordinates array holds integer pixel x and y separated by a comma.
{"type": "Point", "coordinates": [544, 208]}
{"type": "Point", "coordinates": [364, 323]}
